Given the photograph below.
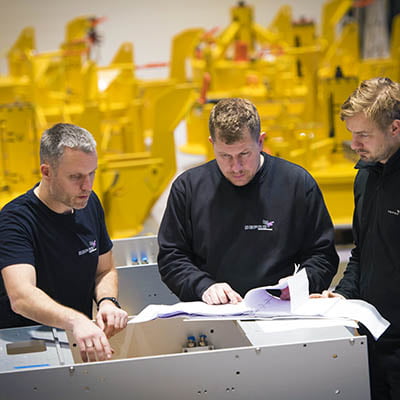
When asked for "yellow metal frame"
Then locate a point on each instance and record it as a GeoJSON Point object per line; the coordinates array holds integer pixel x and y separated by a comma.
{"type": "Point", "coordinates": [298, 82]}
{"type": "Point", "coordinates": [133, 121]}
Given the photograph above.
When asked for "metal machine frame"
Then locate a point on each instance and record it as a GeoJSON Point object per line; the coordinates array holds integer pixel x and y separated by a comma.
{"type": "Point", "coordinates": [247, 362]}
{"type": "Point", "coordinates": [139, 280]}
{"type": "Point", "coordinates": [255, 359]}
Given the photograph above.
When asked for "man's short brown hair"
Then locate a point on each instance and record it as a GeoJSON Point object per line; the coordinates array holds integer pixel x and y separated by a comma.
{"type": "Point", "coordinates": [231, 118]}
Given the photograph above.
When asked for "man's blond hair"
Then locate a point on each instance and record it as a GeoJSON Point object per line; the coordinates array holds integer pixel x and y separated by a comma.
{"type": "Point", "coordinates": [377, 98]}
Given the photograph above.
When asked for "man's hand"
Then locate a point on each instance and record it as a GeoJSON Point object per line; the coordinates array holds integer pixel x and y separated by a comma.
{"type": "Point", "coordinates": [110, 318]}
{"type": "Point", "coordinates": [91, 340]}
{"type": "Point", "coordinates": [285, 293]}
{"type": "Point", "coordinates": [325, 294]}
{"type": "Point", "coordinates": [221, 293]}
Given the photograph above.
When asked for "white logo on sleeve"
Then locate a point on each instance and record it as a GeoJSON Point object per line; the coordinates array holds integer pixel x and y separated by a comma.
{"type": "Point", "coordinates": [92, 247]}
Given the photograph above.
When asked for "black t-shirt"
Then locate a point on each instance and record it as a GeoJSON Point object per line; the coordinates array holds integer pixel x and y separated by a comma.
{"type": "Point", "coordinates": [64, 249]}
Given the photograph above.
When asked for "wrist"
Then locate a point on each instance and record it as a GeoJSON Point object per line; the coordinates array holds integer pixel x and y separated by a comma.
{"type": "Point", "coordinates": [109, 299]}
{"type": "Point", "coordinates": [75, 319]}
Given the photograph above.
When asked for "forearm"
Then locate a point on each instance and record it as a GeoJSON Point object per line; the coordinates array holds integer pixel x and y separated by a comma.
{"type": "Point", "coordinates": [179, 267]}
{"type": "Point", "coordinates": [36, 305]}
{"type": "Point", "coordinates": [32, 302]}
{"type": "Point", "coordinates": [182, 277]}
{"type": "Point", "coordinates": [188, 283]}
{"type": "Point", "coordinates": [320, 271]}
{"type": "Point", "coordinates": [110, 318]}
{"type": "Point", "coordinates": [349, 284]}
{"type": "Point", "coordinates": [319, 255]}
{"type": "Point", "coordinates": [320, 260]}
{"type": "Point", "coordinates": [106, 284]}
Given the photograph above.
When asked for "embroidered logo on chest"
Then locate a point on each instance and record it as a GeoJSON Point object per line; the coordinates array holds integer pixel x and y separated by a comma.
{"type": "Point", "coordinates": [92, 248]}
{"type": "Point", "coordinates": [265, 226]}
{"type": "Point", "coordinates": [394, 212]}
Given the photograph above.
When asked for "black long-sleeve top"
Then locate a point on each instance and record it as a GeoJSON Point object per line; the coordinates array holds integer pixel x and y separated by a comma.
{"type": "Point", "coordinates": [373, 272]}
{"type": "Point", "coordinates": [248, 236]}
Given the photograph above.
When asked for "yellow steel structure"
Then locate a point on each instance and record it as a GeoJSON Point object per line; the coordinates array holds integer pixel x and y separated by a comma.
{"type": "Point", "coordinates": [298, 82]}
{"type": "Point", "coordinates": [132, 120]}
{"type": "Point", "coordinates": [296, 79]}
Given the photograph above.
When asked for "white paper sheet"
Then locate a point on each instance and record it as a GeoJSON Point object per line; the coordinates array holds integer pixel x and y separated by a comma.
{"type": "Point", "coordinates": [259, 303]}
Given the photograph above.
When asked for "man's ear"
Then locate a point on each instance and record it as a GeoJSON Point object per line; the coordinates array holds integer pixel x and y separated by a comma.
{"type": "Point", "coordinates": [210, 140]}
{"type": "Point", "coordinates": [262, 138]}
{"type": "Point", "coordinates": [45, 170]}
{"type": "Point", "coordinates": [396, 127]}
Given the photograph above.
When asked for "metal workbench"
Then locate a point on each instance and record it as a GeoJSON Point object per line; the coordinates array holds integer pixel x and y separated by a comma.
{"type": "Point", "coordinates": [243, 359]}
{"type": "Point", "coordinates": [151, 361]}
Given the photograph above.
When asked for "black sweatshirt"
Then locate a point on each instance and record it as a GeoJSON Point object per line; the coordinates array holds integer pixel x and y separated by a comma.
{"type": "Point", "coordinates": [248, 236]}
{"type": "Point", "coordinates": [373, 272]}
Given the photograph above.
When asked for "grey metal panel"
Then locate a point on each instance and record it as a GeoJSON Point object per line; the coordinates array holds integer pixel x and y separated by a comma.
{"type": "Point", "coordinates": [137, 250]}
{"type": "Point", "coordinates": [56, 348]}
{"type": "Point", "coordinates": [140, 286]}
{"type": "Point", "coordinates": [140, 283]}
{"type": "Point", "coordinates": [258, 336]}
{"type": "Point", "coordinates": [318, 363]}
{"type": "Point", "coordinates": [150, 365]}
{"type": "Point", "coordinates": [335, 369]}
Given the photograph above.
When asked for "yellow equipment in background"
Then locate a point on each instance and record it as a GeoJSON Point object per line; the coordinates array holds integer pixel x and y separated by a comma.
{"type": "Point", "coordinates": [132, 120]}
{"type": "Point", "coordinates": [298, 82]}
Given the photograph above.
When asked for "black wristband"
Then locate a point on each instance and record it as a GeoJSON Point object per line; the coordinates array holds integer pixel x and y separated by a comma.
{"type": "Point", "coordinates": [113, 299]}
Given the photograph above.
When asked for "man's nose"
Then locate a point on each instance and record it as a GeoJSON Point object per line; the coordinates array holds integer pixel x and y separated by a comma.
{"type": "Point", "coordinates": [87, 183]}
{"type": "Point", "coordinates": [236, 164]}
{"type": "Point", "coordinates": [355, 143]}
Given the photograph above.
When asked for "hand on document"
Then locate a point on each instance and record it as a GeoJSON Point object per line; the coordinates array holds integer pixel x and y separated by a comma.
{"type": "Point", "coordinates": [285, 292]}
{"type": "Point", "coordinates": [259, 303]}
{"type": "Point", "coordinates": [326, 294]}
{"type": "Point", "coordinates": [221, 293]}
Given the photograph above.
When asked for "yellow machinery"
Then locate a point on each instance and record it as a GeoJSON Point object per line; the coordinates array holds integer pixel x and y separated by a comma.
{"type": "Point", "coordinates": [132, 120]}
{"type": "Point", "coordinates": [298, 82]}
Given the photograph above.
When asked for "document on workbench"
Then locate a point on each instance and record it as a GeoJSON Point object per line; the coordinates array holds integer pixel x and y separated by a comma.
{"type": "Point", "coordinates": [335, 307]}
{"type": "Point", "coordinates": [259, 303]}
{"type": "Point", "coordinates": [256, 303]}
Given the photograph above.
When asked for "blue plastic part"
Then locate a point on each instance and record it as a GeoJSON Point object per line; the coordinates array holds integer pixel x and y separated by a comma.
{"type": "Point", "coordinates": [32, 366]}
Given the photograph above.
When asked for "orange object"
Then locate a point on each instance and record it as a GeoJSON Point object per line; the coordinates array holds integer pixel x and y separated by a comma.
{"type": "Point", "coordinates": [204, 88]}
{"type": "Point", "coordinates": [362, 3]}
{"type": "Point", "coordinates": [241, 51]}
{"type": "Point", "coordinates": [152, 65]}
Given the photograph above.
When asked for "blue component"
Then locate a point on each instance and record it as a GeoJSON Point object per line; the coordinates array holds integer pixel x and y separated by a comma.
{"type": "Point", "coordinates": [144, 258]}
{"type": "Point", "coordinates": [134, 260]}
{"type": "Point", "coordinates": [32, 366]}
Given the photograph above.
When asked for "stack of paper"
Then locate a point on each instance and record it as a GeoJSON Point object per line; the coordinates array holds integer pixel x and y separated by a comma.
{"type": "Point", "coordinates": [259, 303]}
